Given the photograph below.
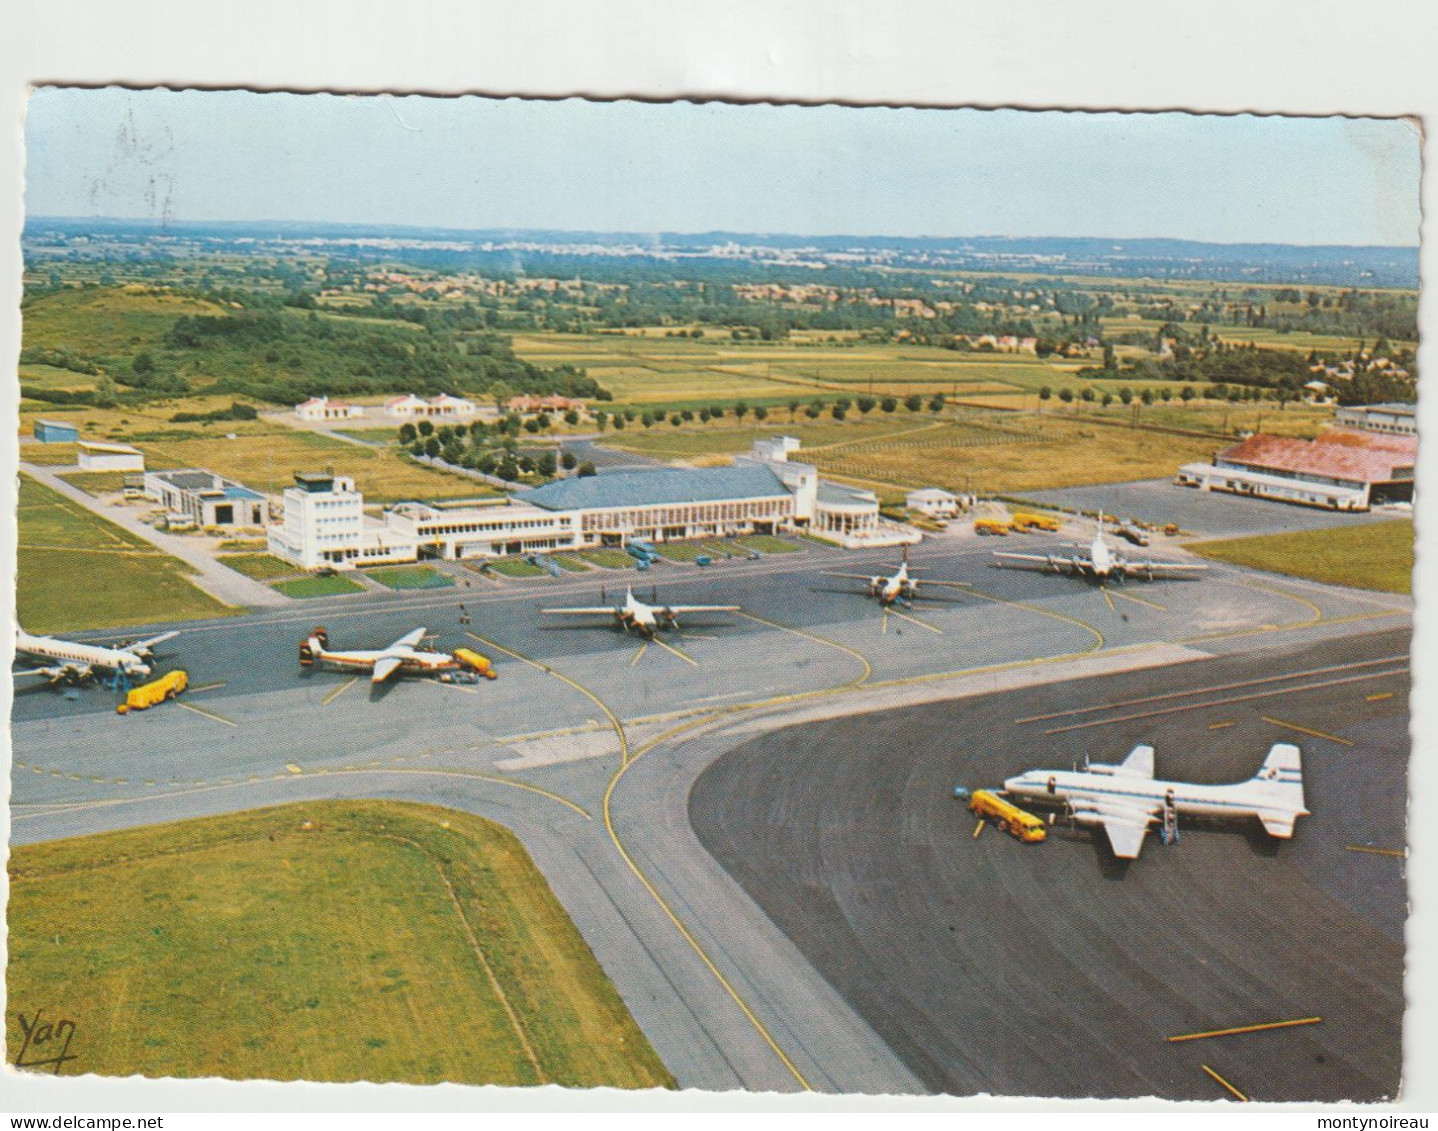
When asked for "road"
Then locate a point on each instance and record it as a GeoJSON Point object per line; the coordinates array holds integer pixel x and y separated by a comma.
{"type": "Point", "coordinates": [581, 748]}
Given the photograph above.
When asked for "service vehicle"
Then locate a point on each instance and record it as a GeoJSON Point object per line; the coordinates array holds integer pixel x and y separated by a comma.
{"type": "Point", "coordinates": [991, 526]}
{"type": "Point", "coordinates": [1013, 820]}
{"type": "Point", "coordinates": [1044, 522]}
{"type": "Point", "coordinates": [156, 691]}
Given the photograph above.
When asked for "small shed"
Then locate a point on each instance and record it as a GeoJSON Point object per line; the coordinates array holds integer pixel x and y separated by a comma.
{"type": "Point", "coordinates": [55, 432]}
{"type": "Point", "coordinates": [110, 457]}
{"type": "Point", "coordinates": [934, 502]}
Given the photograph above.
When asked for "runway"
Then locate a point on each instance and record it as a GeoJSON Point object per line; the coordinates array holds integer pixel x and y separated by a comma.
{"type": "Point", "coordinates": [1054, 969]}
{"type": "Point", "coordinates": [587, 745]}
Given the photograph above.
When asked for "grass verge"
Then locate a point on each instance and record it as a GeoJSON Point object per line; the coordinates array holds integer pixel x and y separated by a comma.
{"type": "Point", "coordinates": [329, 941]}
{"type": "Point", "coordinates": [607, 559]}
{"type": "Point", "coordinates": [1373, 556]}
{"type": "Point", "coordinates": [512, 567]}
{"type": "Point", "coordinates": [317, 586]}
{"type": "Point", "coordinates": [262, 567]}
{"type": "Point", "coordinates": [77, 571]}
{"type": "Point", "coordinates": [410, 577]}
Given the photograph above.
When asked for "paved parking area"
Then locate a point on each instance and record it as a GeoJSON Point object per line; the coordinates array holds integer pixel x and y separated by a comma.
{"type": "Point", "coordinates": [1201, 512]}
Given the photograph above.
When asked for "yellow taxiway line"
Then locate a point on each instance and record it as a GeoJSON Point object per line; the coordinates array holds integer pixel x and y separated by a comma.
{"type": "Point", "coordinates": [1312, 733]}
{"type": "Point", "coordinates": [639, 655]}
{"type": "Point", "coordinates": [207, 714]}
{"type": "Point", "coordinates": [338, 691]}
{"type": "Point", "coordinates": [1401, 853]}
{"type": "Point", "coordinates": [915, 620]}
{"type": "Point", "coordinates": [207, 687]}
{"type": "Point", "coordinates": [1378, 697]}
{"type": "Point", "coordinates": [685, 656]}
{"type": "Point", "coordinates": [1099, 640]}
{"type": "Point", "coordinates": [1111, 606]}
{"type": "Point", "coordinates": [868, 669]}
{"type": "Point", "coordinates": [579, 687]}
{"type": "Point", "coordinates": [1137, 600]}
{"type": "Point", "coordinates": [759, 1026]}
{"type": "Point", "coordinates": [1225, 1083]}
{"type": "Point", "coordinates": [1259, 1028]}
{"type": "Point", "coordinates": [1223, 725]}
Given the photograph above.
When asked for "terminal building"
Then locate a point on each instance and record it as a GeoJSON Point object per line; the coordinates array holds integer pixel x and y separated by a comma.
{"type": "Point", "coordinates": [1399, 419]}
{"type": "Point", "coordinates": [1343, 469]}
{"type": "Point", "coordinates": [762, 493]}
{"type": "Point", "coordinates": [205, 499]}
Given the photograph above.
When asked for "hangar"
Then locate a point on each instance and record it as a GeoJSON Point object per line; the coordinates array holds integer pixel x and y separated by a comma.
{"type": "Point", "coordinates": [205, 498]}
{"type": "Point", "coordinates": [1342, 469]}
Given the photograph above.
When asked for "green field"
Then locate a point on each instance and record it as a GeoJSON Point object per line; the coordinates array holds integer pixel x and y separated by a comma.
{"type": "Point", "coordinates": [1374, 556]}
{"type": "Point", "coordinates": [410, 577]}
{"type": "Point", "coordinates": [1066, 453]}
{"type": "Point", "coordinates": [700, 547]}
{"type": "Point", "coordinates": [50, 455]}
{"type": "Point", "coordinates": [570, 562]}
{"type": "Point", "coordinates": [262, 567]}
{"type": "Point", "coordinates": [97, 482]}
{"type": "Point", "coordinates": [317, 586]}
{"type": "Point", "coordinates": [326, 941]}
{"type": "Point", "coordinates": [65, 551]}
{"type": "Point", "coordinates": [513, 567]}
{"type": "Point", "coordinates": [607, 559]}
{"type": "Point", "coordinates": [649, 371]}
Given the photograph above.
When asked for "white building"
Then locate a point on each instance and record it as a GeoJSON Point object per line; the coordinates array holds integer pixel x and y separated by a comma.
{"type": "Point", "coordinates": [404, 408]}
{"type": "Point", "coordinates": [322, 408]}
{"type": "Point", "coordinates": [110, 457]}
{"type": "Point", "coordinates": [442, 407]}
{"type": "Point", "coordinates": [205, 498]}
{"type": "Point", "coordinates": [764, 493]}
{"type": "Point", "coordinates": [1398, 419]}
{"type": "Point", "coordinates": [933, 502]}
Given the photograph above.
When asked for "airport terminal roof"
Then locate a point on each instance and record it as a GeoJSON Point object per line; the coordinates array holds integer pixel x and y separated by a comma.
{"type": "Point", "coordinates": [838, 493]}
{"type": "Point", "coordinates": [656, 488]}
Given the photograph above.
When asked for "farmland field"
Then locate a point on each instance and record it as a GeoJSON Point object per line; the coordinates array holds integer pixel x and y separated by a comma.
{"type": "Point", "coordinates": [647, 371]}
{"type": "Point", "coordinates": [125, 580]}
{"type": "Point", "coordinates": [328, 941]}
{"type": "Point", "coordinates": [1065, 454]}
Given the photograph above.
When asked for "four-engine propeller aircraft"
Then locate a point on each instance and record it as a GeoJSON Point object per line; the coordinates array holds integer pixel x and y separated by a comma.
{"type": "Point", "coordinates": [407, 655]}
{"type": "Point", "coordinates": [1100, 562]}
{"type": "Point", "coordinates": [902, 587]}
{"type": "Point", "coordinates": [634, 614]}
{"type": "Point", "coordinates": [1125, 799]}
{"type": "Point", "coordinates": [73, 662]}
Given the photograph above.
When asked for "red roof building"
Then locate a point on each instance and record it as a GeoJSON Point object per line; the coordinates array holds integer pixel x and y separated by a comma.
{"type": "Point", "coordinates": [1341, 469]}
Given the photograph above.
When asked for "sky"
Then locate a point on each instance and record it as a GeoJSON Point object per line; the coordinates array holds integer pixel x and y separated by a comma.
{"type": "Point", "coordinates": [477, 163]}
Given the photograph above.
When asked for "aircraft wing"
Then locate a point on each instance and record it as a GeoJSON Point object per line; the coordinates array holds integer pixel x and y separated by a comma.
{"type": "Point", "coordinates": [676, 609]}
{"type": "Point", "coordinates": [142, 646]}
{"type": "Point", "coordinates": [56, 672]}
{"type": "Point", "coordinates": [1124, 822]}
{"type": "Point", "coordinates": [1126, 839]}
{"type": "Point", "coordinates": [853, 576]}
{"type": "Point", "coordinates": [1156, 568]}
{"type": "Point", "coordinates": [408, 640]}
{"type": "Point", "coordinates": [1050, 561]}
{"type": "Point", "coordinates": [587, 610]}
{"type": "Point", "coordinates": [385, 667]}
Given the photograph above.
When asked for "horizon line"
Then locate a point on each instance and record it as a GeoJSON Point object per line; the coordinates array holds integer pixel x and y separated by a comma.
{"type": "Point", "coordinates": [161, 223]}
